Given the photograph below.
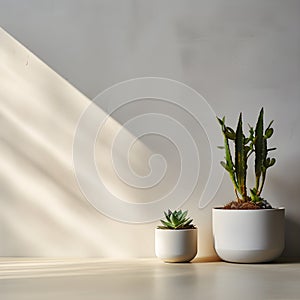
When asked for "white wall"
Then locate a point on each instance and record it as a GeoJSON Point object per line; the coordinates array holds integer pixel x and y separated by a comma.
{"type": "Point", "coordinates": [240, 55]}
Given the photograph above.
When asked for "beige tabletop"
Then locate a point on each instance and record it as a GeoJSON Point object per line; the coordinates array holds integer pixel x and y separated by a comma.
{"type": "Point", "coordinates": [39, 278]}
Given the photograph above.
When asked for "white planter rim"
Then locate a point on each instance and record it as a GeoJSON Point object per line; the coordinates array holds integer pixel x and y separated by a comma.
{"type": "Point", "coordinates": [221, 208]}
{"type": "Point", "coordinates": [176, 230]}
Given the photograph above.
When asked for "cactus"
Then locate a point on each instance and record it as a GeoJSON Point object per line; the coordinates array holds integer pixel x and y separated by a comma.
{"type": "Point", "coordinates": [176, 220]}
{"type": "Point", "coordinates": [244, 147]}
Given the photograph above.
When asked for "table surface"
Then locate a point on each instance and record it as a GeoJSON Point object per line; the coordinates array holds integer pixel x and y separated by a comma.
{"type": "Point", "coordinates": [40, 278]}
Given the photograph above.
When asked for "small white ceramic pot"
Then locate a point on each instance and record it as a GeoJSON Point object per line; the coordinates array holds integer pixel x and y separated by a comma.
{"type": "Point", "coordinates": [248, 236]}
{"type": "Point", "coordinates": [176, 245]}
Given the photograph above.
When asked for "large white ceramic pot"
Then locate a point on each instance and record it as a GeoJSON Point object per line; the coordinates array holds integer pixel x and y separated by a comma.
{"type": "Point", "coordinates": [248, 236]}
{"type": "Point", "coordinates": [176, 245]}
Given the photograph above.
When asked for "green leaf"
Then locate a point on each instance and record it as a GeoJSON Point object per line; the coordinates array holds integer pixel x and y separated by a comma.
{"type": "Point", "coordinates": [167, 216]}
{"type": "Point", "coordinates": [269, 132]}
{"type": "Point", "coordinates": [251, 131]}
{"type": "Point", "coordinates": [230, 135]}
{"type": "Point", "coordinates": [260, 151]}
{"type": "Point", "coordinates": [189, 222]}
{"type": "Point", "coordinates": [229, 129]}
{"type": "Point", "coordinates": [269, 126]}
{"type": "Point", "coordinates": [228, 158]}
{"type": "Point", "coordinates": [184, 214]}
{"type": "Point", "coordinates": [225, 166]}
{"type": "Point", "coordinates": [221, 121]}
{"type": "Point", "coordinates": [240, 158]}
{"type": "Point", "coordinates": [167, 224]}
{"type": "Point", "coordinates": [174, 219]}
{"type": "Point", "coordinates": [272, 162]}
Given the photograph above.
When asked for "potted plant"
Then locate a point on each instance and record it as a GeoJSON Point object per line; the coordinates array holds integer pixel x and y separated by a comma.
{"type": "Point", "coordinates": [176, 238]}
{"type": "Point", "coordinates": [248, 230]}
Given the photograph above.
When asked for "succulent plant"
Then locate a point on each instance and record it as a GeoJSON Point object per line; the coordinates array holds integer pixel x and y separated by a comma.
{"type": "Point", "coordinates": [244, 147]}
{"type": "Point", "coordinates": [176, 220]}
